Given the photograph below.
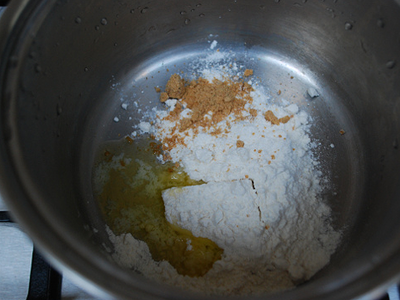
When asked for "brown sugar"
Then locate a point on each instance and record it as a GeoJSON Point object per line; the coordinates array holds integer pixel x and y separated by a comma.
{"type": "Point", "coordinates": [240, 144]}
{"type": "Point", "coordinates": [219, 98]}
{"type": "Point", "coordinates": [269, 116]}
{"type": "Point", "coordinates": [175, 87]}
{"type": "Point", "coordinates": [164, 97]}
{"type": "Point", "coordinates": [248, 72]}
{"type": "Point", "coordinates": [284, 120]}
{"type": "Point", "coordinates": [210, 102]}
{"type": "Point", "coordinates": [253, 112]}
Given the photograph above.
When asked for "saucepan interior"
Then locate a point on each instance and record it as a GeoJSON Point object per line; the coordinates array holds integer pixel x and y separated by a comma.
{"type": "Point", "coordinates": [69, 66]}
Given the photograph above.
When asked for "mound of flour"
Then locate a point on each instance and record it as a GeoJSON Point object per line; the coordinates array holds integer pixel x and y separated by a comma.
{"type": "Point", "coordinates": [260, 202]}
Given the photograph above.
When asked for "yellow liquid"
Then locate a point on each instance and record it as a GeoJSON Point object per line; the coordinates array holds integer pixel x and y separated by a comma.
{"type": "Point", "coordinates": [131, 202]}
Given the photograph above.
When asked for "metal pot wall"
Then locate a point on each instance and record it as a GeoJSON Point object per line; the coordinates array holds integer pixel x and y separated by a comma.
{"type": "Point", "coordinates": [66, 64]}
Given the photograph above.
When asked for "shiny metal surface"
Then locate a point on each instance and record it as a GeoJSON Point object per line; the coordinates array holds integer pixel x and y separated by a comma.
{"type": "Point", "coordinates": [66, 65]}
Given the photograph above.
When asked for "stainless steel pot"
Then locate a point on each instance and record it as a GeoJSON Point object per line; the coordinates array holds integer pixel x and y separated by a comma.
{"type": "Point", "coordinates": [65, 66]}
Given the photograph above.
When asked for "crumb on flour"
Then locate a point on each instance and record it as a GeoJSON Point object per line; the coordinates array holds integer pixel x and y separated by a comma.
{"type": "Point", "coordinates": [269, 116]}
{"type": "Point", "coordinates": [175, 87]}
{"type": "Point", "coordinates": [248, 72]}
{"type": "Point", "coordinates": [253, 112]}
{"type": "Point", "coordinates": [163, 97]}
{"type": "Point", "coordinates": [240, 144]}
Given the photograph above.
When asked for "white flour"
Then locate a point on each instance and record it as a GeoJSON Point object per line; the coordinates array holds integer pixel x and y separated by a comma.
{"type": "Point", "coordinates": [260, 203]}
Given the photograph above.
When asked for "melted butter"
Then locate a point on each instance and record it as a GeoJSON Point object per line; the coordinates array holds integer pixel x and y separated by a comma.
{"type": "Point", "coordinates": [131, 202]}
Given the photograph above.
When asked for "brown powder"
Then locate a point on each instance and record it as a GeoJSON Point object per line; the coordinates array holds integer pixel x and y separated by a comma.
{"type": "Point", "coordinates": [253, 112]}
{"type": "Point", "coordinates": [156, 148]}
{"type": "Point", "coordinates": [185, 124]}
{"type": "Point", "coordinates": [217, 98]}
{"type": "Point", "coordinates": [269, 116]}
{"type": "Point", "coordinates": [209, 102]}
{"type": "Point", "coordinates": [175, 87]}
{"type": "Point", "coordinates": [164, 97]}
{"type": "Point", "coordinates": [248, 72]}
{"type": "Point", "coordinates": [284, 120]}
{"type": "Point", "coordinates": [170, 142]}
{"type": "Point", "coordinates": [216, 132]}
